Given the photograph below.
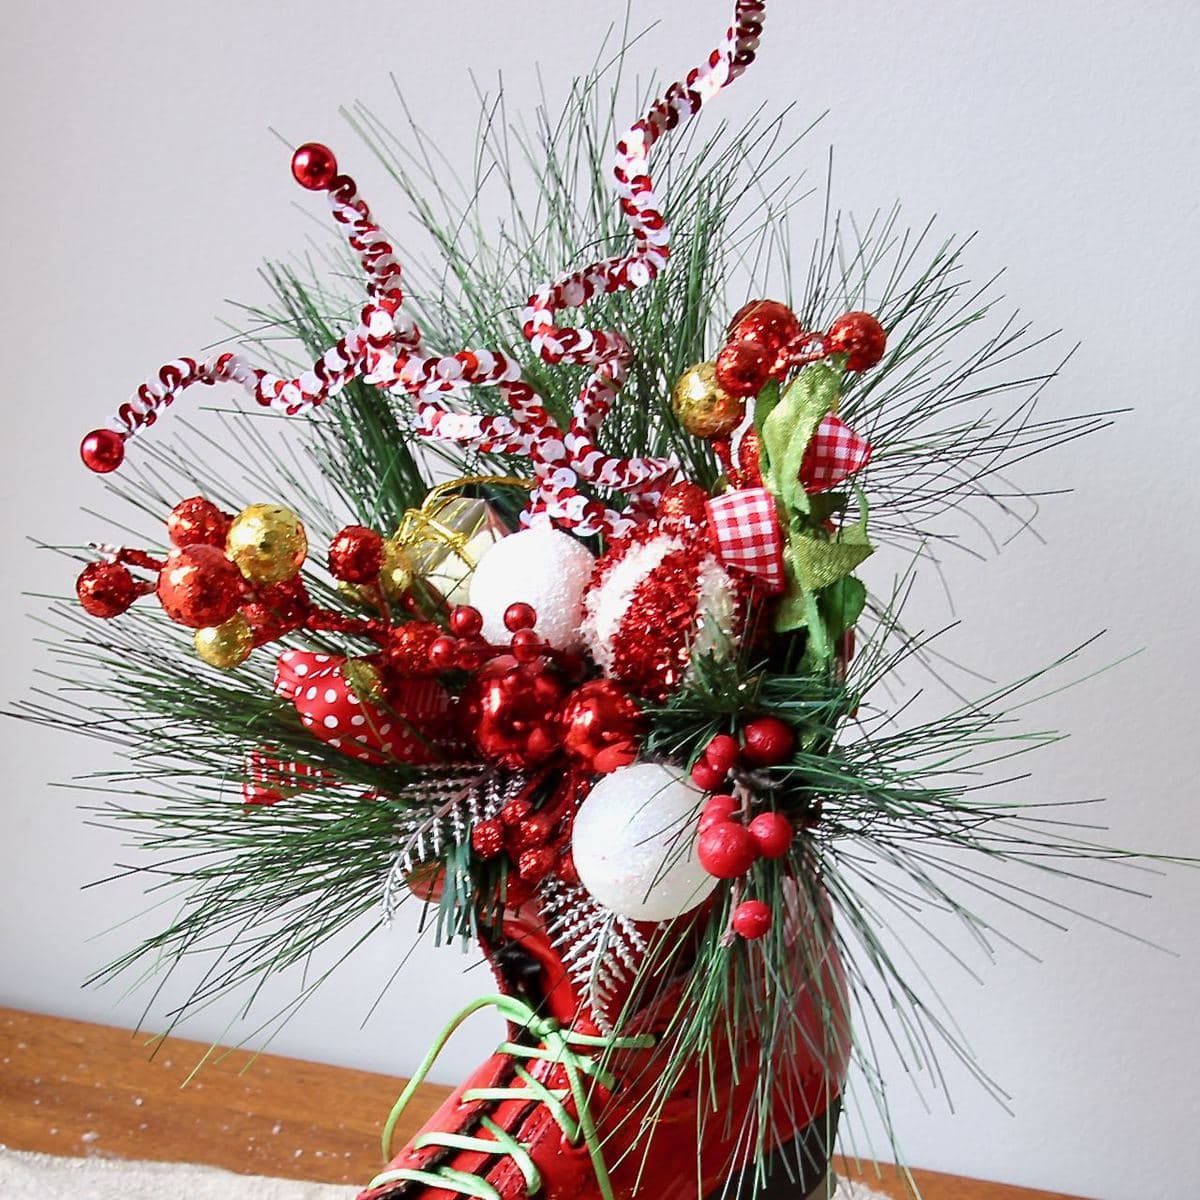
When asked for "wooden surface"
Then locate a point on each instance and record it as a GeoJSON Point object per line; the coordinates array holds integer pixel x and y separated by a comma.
{"type": "Point", "coordinates": [67, 1087]}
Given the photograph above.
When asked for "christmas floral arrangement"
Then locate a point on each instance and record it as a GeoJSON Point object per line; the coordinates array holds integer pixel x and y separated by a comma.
{"type": "Point", "coordinates": [582, 654]}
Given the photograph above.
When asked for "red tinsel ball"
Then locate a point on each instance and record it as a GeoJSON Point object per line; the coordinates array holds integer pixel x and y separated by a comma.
{"type": "Point", "coordinates": [748, 456]}
{"type": "Point", "coordinates": [407, 650]}
{"type": "Point", "coordinates": [684, 501]}
{"type": "Point", "coordinates": [767, 322]}
{"type": "Point", "coordinates": [726, 849]}
{"type": "Point", "coordinates": [466, 621]}
{"type": "Point", "coordinates": [196, 522]}
{"type": "Point", "coordinates": [743, 367]}
{"type": "Point", "coordinates": [199, 586]}
{"type": "Point", "coordinates": [511, 709]}
{"type": "Point", "coordinates": [102, 450]}
{"type": "Point", "coordinates": [106, 589]}
{"type": "Point", "coordinates": [314, 167]}
{"type": "Point", "coordinates": [601, 726]}
{"type": "Point", "coordinates": [723, 752]}
{"type": "Point", "coordinates": [767, 742]}
{"type": "Point", "coordinates": [487, 838]}
{"type": "Point", "coordinates": [751, 919]}
{"type": "Point", "coordinates": [772, 833]}
{"type": "Point", "coordinates": [356, 554]}
{"type": "Point", "coordinates": [706, 776]}
{"type": "Point", "coordinates": [719, 808]}
{"type": "Point", "coordinates": [860, 337]}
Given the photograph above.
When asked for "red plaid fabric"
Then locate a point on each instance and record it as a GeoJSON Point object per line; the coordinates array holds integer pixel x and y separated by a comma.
{"type": "Point", "coordinates": [835, 453]}
{"type": "Point", "coordinates": [745, 530]}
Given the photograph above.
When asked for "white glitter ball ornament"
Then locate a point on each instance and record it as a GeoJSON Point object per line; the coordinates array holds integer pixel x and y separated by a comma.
{"type": "Point", "coordinates": [634, 843]}
{"type": "Point", "coordinates": [541, 567]}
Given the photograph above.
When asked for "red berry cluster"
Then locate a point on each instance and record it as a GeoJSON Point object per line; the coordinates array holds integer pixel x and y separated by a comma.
{"type": "Point", "coordinates": [537, 842]}
{"type": "Point", "coordinates": [766, 341]}
{"type": "Point", "coordinates": [766, 742]}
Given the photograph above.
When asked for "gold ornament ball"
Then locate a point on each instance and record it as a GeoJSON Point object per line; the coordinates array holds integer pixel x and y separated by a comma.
{"type": "Point", "coordinates": [227, 645]}
{"type": "Point", "coordinates": [704, 408]}
{"type": "Point", "coordinates": [397, 571]}
{"type": "Point", "coordinates": [268, 543]}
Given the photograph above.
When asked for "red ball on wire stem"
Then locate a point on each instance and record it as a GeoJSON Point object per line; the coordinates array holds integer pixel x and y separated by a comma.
{"type": "Point", "coordinates": [519, 616]}
{"type": "Point", "coordinates": [860, 337]}
{"type": "Point", "coordinates": [106, 589]}
{"type": "Point", "coordinates": [314, 167]}
{"type": "Point", "coordinates": [726, 849]}
{"type": "Point", "coordinates": [102, 450]}
{"type": "Point", "coordinates": [772, 833]}
{"type": "Point", "coordinates": [466, 621]}
{"type": "Point", "coordinates": [751, 919]}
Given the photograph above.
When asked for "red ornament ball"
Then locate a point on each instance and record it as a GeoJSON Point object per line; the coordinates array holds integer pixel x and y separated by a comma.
{"type": "Point", "coordinates": [751, 919]}
{"type": "Point", "coordinates": [767, 323]}
{"type": "Point", "coordinates": [767, 742]}
{"type": "Point", "coordinates": [199, 586]}
{"type": "Point", "coordinates": [519, 616]}
{"type": "Point", "coordinates": [723, 752]}
{"type": "Point", "coordinates": [743, 367]}
{"type": "Point", "coordinates": [726, 849]}
{"type": "Point", "coordinates": [197, 522]}
{"type": "Point", "coordinates": [466, 621]}
{"type": "Point", "coordinates": [706, 776]}
{"type": "Point", "coordinates": [102, 450]}
{"type": "Point", "coordinates": [407, 651]}
{"type": "Point", "coordinates": [772, 833]}
{"type": "Point", "coordinates": [684, 501]}
{"type": "Point", "coordinates": [719, 808]}
{"type": "Point", "coordinates": [106, 589]}
{"type": "Point", "coordinates": [860, 337]}
{"type": "Point", "coordinates": [314, 167]}
{"type": "Point", "coordinates": [526, 646]}
{"type": "Point", "coordinates": [487, 838]}
{"type": "Point", "coordinates": [356, 554]}
{"type": "Point", "coordinates": [443, 653]}
{"type": "Point", "coordinates": [534, 865]}
{"type": "Point", "coordinates": [511, 709]}
{"type": "Point", "coordinates": [601, 726]}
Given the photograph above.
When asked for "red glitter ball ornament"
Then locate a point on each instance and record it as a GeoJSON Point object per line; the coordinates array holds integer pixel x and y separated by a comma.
{"type": "Point", "coordinates": [511, 709]}
{"type": "Point", "coordinates": [199, 586]}
{"type": "Point", "coordinates": [106, 589]}
{"type": "Point", "coordinates": [860, 337]}
{"type": "Point", "coordinates": [684, 501]}
{"type": "Point", "coordinates": [601, 726]}
{"type": "Point", "coordinates": [726, 849]}
{"type": "Point", "coordinates": [407, 650]}
{"type": "Point", "coordinates": [749, 453]}
{"type": "Point", "coordinates": [751, 919]}
{"type": "Point", "coordinates": [767, 323]}
{"type": "Point", "coordinates": [102, 450]}
{"type": "Point", "coordinates": [772, 833]}
{"type": "Point", "coordinates": [743, 367]}
{"type": "Point", "coordinates": [534, 865]}
{"type": "Point", "coordinates": [314, 167]}
{"type": "Point", "coordinates": [356, 554]}
{"type": "Point", "coordinates": [767, 742]}
{"type": "Point", "coordinates": [197, 522]}
{"type": "Point", "coordinates": [487, 838]}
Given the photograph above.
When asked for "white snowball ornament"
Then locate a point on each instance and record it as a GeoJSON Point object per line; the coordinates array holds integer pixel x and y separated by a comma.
{"type": "Point", "coordinates": [542, 567]}
{"type": "Point", "coordinates": [634, 843]}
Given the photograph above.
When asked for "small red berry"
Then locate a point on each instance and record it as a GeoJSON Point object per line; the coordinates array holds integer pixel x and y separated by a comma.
{"type": "Point", "coordinates": [487, 838]}
{"type": "Point", "coordinates": [707, 777]}
{"type": "Point", "coordinates": [443, 653]}
{"type": "Point", "coordinates": [356, 554]}
{"type": "Point", "coordinates": [767, 742]}
{"type": "Point", "coordinates": [726, 850]}
{"type": "Point", "coordinates": [466, 621]}
{"type": "Point", "coordinates": [515, 811]}
{"type": "Point", "coordinates": [534, 865]}
{"type": "Point", "coordinates": [719, 808]}
{"type": "Point", "coordinates": [106, 589]}
{"type": "Point", "coordinates": [527, 646]}
{"type": "Point", "coordinates": [519, 616]}
{"type": "Point", "coordinates": [103, 450]}
{"type": "Point", "coordinates": [772, 833]}
{"type": "Point", "coordinates": [751, 919]}
{"type": "Point", "coordinates": [314, 167]}
{"type": "Point", "coordinates": [723, 752]}
{"type": "Point", "coordinates": [743, 367]}
{"type": "Point", "coordinates": [860, 337]}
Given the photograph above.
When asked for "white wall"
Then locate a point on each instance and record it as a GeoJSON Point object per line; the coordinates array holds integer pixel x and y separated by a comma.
{"type": "Point", "coordinates": [144, 188]}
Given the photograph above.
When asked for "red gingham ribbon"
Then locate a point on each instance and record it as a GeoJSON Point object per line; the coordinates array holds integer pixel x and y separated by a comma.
{"type": "Point", "coordinates": [835, 453]}
{"type": "Point", "coordinates": [745, 529]}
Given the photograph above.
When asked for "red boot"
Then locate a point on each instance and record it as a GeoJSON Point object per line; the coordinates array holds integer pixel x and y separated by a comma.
{"type": "Point", "coordinates": [567, 1112]}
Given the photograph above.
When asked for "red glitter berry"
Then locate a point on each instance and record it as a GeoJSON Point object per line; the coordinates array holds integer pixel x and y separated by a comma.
{"type": "Point", "coordinates": [466, 621]}
{"type": "Point", "coordinates": [772, 833]}
{"type": "Point", "coordinates": [534, 865]}
{"type": "Point", "coordinates": [684, 501]}
{"type": "Point", "coordinates": [743, 368]}
{"type": "Point", "coordinates": [767, 742]}
{"type": "Point", "coordinates": [707, 777]}
{"type": "Point", "coordinates": [723, 752]}
{"type": "Point", "coordinates": [515, 811]}
{"type": "Point", "coordinates": [314, 167]}
{"type": "Point", "coordinates": [860, 337]}
{"type": "Point", "coordinates": [197, 522]}
{"type": "Point", "coordinates": [102, 450]}
{"type": "Point", "coordinates": [751, 919]}
{"type": "Point", "coordinates": [519, 616]}
{"type": "Point", "coordinates": [771, 324]}
{"type": "Point", "coordinates": [726, 849]}
{"type": "Point", "coordinates": [356, 554]}
{"type": "Point", "coordinates": [106, 589]}
{"type": "Point", "coordinates": [487, 838]}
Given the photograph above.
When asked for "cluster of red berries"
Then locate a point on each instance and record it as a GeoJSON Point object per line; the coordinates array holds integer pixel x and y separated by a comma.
{"type": "Point", "coordinates": [533, 842]}
{"type": "Point", "coordinates": [465, 648]}
{"type": "Point", "coordinates": [766, 742]}
{"type": "Point", "coordinates": [766, 340]}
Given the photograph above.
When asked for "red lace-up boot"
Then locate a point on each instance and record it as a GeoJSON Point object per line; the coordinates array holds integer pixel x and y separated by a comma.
{"type": "Point", "coordinates": [565, 1111]}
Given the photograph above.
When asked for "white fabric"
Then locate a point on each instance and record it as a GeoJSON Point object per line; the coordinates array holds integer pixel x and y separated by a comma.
{"type": "Point", "coordinates": [25, 1176]}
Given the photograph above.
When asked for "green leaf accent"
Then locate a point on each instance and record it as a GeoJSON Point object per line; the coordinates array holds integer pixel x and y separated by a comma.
{"type": "Point", "coordinates": [788, 428]}
{"type": "Point", "coordinates": [841, 605]}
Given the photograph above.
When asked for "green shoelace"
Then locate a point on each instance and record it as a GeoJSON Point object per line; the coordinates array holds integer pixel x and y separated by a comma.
{"type": "Point", "coordinates": [574, 1052]}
